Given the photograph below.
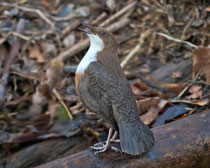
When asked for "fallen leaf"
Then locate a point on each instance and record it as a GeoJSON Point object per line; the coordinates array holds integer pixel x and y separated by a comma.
{"type": "Point", "coordinates": [47, 5]}
{"type": "Point", "coordinates": [135, 90]}
{"type": "Point", "coordinates": [36, 53]}
{"type": "Point", "coordinates": [174, 87]}
{"type": "Point", "coordinates": [141, 85]}
{"type": "Point", "coordinates": [162, 103]}
{"type": "Point", "coordinates": [201, 62]}
{"type": "Point", "coordinates": [145, 104]}
{"type": "Point", "coordinates": [196, 92]}
{"type": "Point", "coordinates": [170, 114]}
{"type": "Point", "coordinates": [150, 116]}
{"type": "Point", "coordinates": [177, 74]}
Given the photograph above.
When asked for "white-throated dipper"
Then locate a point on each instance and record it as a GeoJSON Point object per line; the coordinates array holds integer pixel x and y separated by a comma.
{"type": "Point", "coordinates": [103, 88]}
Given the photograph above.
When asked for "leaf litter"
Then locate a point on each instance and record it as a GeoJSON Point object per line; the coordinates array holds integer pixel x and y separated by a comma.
{"type": "Point", "coordinates": [163, 49]}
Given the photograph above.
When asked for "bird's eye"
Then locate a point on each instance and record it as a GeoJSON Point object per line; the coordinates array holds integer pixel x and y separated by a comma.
{"type": "Point", "coordinates": [102, 33]}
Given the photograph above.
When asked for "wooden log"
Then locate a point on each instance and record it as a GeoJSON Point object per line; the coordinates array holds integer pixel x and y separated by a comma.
{"type": "Point", "coordinates": [164, 73]}
{"type": "Point", "coordinates": [182, 143]}
{"type": "Point", "coordinates": [46, 151]}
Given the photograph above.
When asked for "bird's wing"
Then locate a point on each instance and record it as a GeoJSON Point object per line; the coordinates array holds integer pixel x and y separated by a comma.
{"type": "Point", "coordinates": [135, 137]}
{"type": "Point", "coordinates": [115, 90]}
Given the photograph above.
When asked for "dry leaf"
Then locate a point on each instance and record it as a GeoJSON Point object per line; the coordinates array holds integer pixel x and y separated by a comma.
{"type": "Point", "coordinates": [174, 87]}
{"type": "Point", "coordinates": [196, 92]}
{"type": "Point", "coordinates": [135, 90]}
{"type": "Point", "coordinates": [201, 62]}
{"type": "Point", "coordinates": [150, 116]}
{"type": "Point", "coordinates": [47, 5]}
{"type": "Point", "coordinates": [162, 103]}
{"type": "Point", "coordinates": [145, 104]}
{"type": "Point", "coordinates": [177, 74]}
{"type": "Point", "coordinates": [141, 85]}
{"type": "Point", "coordinates": [36, 53]}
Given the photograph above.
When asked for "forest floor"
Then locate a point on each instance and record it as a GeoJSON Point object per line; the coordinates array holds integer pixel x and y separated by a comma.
{"type": "Point", "coordinates": [163, 49]}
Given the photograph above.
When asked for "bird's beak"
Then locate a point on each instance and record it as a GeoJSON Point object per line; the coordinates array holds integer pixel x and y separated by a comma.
{"type": "Point", "coordinates": [87, 31]}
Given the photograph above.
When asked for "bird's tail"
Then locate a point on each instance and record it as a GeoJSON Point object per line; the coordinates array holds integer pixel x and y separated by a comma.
{"type": "Point", "coordinates": [135, 138]}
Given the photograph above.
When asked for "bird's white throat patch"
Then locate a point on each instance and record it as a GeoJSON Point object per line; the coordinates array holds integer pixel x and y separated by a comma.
{"type": "Point", "coordinates": [96, 45]}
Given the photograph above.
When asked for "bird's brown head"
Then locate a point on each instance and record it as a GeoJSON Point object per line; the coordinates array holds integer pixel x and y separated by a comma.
{"type": "Point", "coordinates": [100, 36]}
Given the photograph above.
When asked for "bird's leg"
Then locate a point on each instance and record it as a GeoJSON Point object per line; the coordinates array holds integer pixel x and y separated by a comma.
{"type": "Point", "coordinates": [101, 147]}
{"type": "Point", "coordinates": [113, 139]}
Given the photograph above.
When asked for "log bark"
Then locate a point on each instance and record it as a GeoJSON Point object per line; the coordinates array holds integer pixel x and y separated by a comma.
{"type": "Point", "coordinates": [182, 143]}
{"type": "Point", "coordinates": [164, 73]}
{"type": "Point", "coordinates": [46, 151]}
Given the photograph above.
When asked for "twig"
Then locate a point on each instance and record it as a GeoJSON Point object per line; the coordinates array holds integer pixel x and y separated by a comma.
{"type": "Point", "coordinates": [70, 27]}
{"type": "Point", "coordinates": [84, 44]}
{"type": "Point", "coordinates": [37, 11]}
{"type": "Point", "coordinates": [27, 76]}
{"type": "Point", "coordinates": [177, 40]}
{"type": "Point", "coordinates": [76, 23]}
{"type": "Point", "coordinates": [118, 14]}
{"type": "Point", "coordinates": [99, 19]}
{"type": "Point", "coordinates": [189, 85]}
{"type": "Point", "coordinates": [150, 84]}
{"type": "Point", "coordinates": [30, 39]}
{"type": "Point", "coordinates": [136, 48]}
{"type": "Point", "coordinates": [63, 104]}
{"type": "Point", "coordinates": [13, 53]}
{"type": "Point", "coordinates": [66, 18]}
{"type": "Point", "coordinates": [187, 26]}
{"type": "Point", "coordinates": [22, 37]}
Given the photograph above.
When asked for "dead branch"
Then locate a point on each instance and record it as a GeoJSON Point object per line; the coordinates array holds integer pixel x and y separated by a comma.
{"type": "Point", "coordinates": [118, 14]}
{"type": "Point", "coordinates": [37, 11]}
{"type": "Point", "coordinates": [63, 104]}
{"type": "Point", "coordinates": [71, 27]}
{"type": "Point", "coordinates": [136, 48]}
{"type": "Point", "coordinates": [84, 44]}
{"type": "Point", "coordinates": [177, 40]}
{"type": "Point", "coordinates": [99, 18]}
{"type": "Point", "coordinates": [76, 23]}
{"type": "Point", "coordinates": [188, 86]}
{"type": "Point", "coordinates": [13, 53]}
{"type": "Point", "coordinates": [182, 143]}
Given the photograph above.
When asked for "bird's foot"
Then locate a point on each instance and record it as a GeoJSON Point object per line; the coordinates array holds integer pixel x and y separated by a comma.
{"type": "Point", "coordinates": [102, 147]}
{"type": "Point", "coordinates": [99, 146]}
{"type": "Point", "coordinates": [116, 150]}
{"type": "Point", "coordinates": [115, 140]}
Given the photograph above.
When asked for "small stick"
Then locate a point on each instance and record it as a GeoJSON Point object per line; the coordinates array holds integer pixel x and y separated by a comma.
{"type": "Point", "coordinates": [153, 86]}
{"type": "Point", "coordinates": [71, 27]}
{"type": "Point", "coordinates": [13, 53]}
{"type": "Point", "coordinates": [84, 43]}
{"type": "Point", "coordinates": [76, 23]}
{"type": "Point", "coordinates": [99, 19]}
{"type": "Point", "coordinates": [136, 48]}
{"type": "Point", "coordinates": [22, 37]}
{"type": "Point", "coordinates": [177, 40]}
{"type": "Point", "coordinates": [189, 85]}
{"type": "Point", "coordinates": [37, 11]}
{"type": "Point", "coordinates": [30, 39]}
{"type": "Point", "coordinates": [118, 14]}
{"type": "Point", "coordinates": [63, 104]}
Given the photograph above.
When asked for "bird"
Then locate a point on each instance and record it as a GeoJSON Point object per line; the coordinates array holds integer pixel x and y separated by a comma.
{"type": "Point", "coordinates": [103, 88]}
